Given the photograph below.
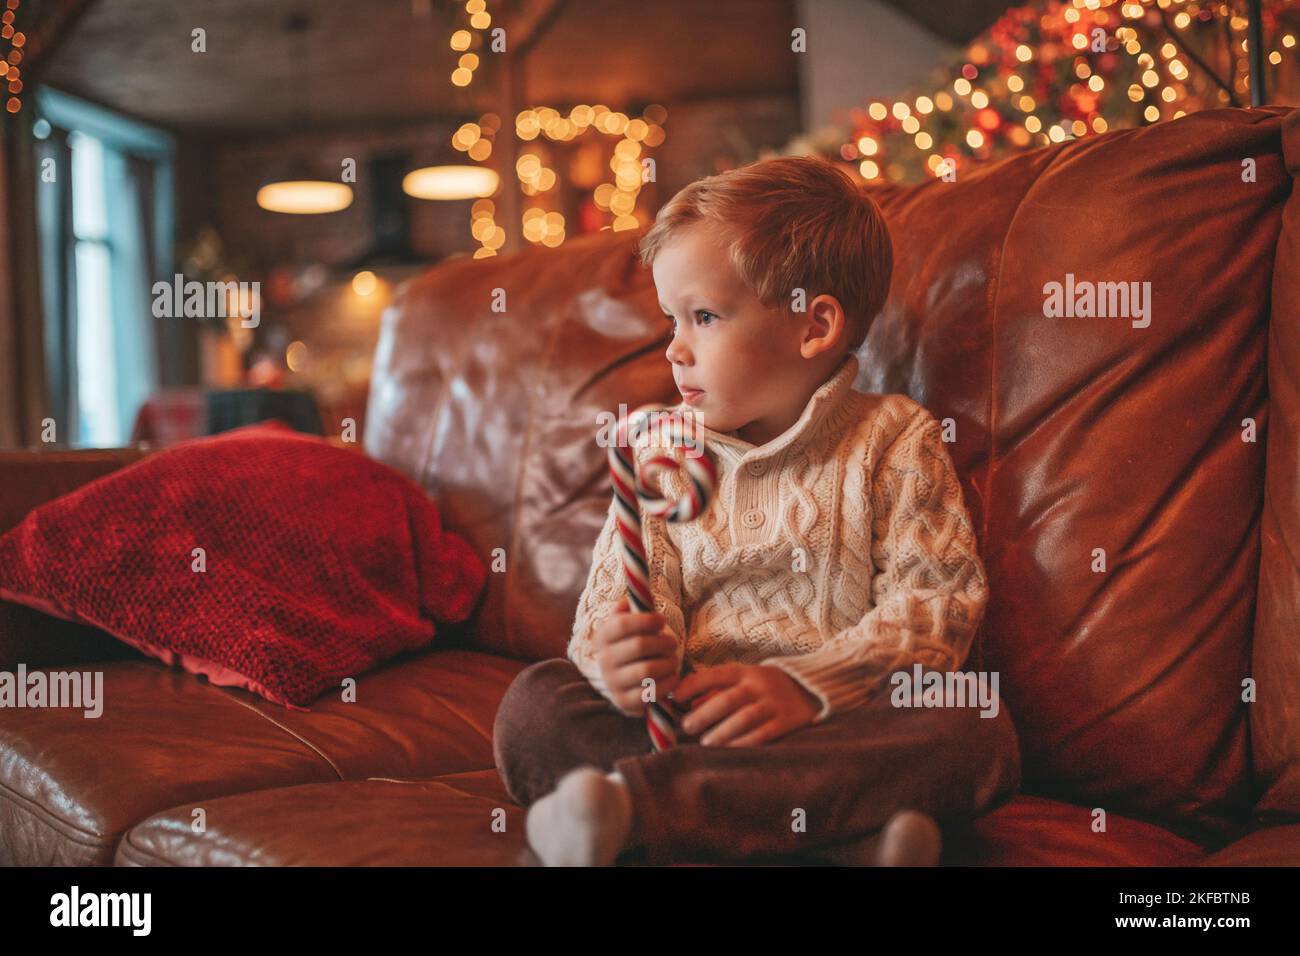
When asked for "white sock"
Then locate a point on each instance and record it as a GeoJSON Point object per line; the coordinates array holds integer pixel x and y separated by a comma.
{"type": "Point", "coordinates": [585, 821]}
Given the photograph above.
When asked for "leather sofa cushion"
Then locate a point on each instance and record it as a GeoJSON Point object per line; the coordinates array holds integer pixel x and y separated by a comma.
{"type": "Point", "coordinates": [71, 786]}
{"type": "Point", "coordinates": [1078, 434]}
{"type": "Point", "coordinates": [447, 821]}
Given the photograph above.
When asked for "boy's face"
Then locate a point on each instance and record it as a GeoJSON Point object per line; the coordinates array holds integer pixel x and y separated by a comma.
{"type": "Point", "coordinates": [748, 362]}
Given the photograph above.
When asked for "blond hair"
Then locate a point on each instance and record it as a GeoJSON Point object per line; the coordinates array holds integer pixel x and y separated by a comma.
{"type": "Point", "coordinates": [794, 222]}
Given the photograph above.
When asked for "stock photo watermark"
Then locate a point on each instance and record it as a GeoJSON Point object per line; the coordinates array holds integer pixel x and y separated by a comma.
{"type": "Point", "coordinates": [78, 690]}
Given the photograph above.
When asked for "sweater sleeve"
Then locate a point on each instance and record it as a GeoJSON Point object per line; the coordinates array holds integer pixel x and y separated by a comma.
{"type": "Point", "coordinates": [929, 588]}
{"type": "Point", "coordinates": [606, 584]}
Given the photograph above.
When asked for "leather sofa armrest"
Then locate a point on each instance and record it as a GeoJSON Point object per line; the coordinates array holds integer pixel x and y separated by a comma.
{"type": "Point", "coordinates": [29, 478]}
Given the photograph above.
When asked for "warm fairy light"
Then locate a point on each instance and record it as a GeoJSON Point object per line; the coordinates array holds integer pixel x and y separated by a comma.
{"type": "Point", "coordinates": [910, 125]}
{"type": "Point", "coordinates": [974, 138]}
{"type": "Point", "coordinates": [924, 105]}
{"type": "Point", "coordinates": [962, 86]}
{"type": "Point", "coordinates": [1182, 19]}
{"type": "Point", "coordinates": [1024, 54]}
{"type": "Point", "coordinates": [1015, 84]}
{"type": "Point", "coordinates": [867, 146]}
{"type": "Point", "coordinates": [1099, 124]}
{"type": "Point", "coordinates": [868, 169]}
{"type": "Point", "coordinates": [1033, 124]}
{"type": "Point", "coordinates": [943, 100]}
{"type": "Point", "coordinates": [1288, 41]}
{"type": "Point", "coordinates": [877, 111]}
{"type": "Point", "coordinates": [1135, 93]}
{"type": "Point", "coordinates": [295, 356]}
{"type": "Point", "coordinates": [1151, 113]}
{"type": "Point", "coordinates": [1082, 70]}
{"type": "Point", "coordinates": [901, 110]}
{"type": "Point", "coordinates": [1168, 94]}
{"type": "Point", "coordinates": [924, 140]}
{"type": "Point", "coordinates": [364, 283]}
{"type": "Point", "coordinates": [979, 99]}
{"type": "Point", "coordinates": [1150, 78]}
{"type": "Point", "coordinates": [1275, 58]}
{"type": "Point", "coordinates": [1096, 83]}
{"type": "Point", "coordinates": [461, 76]}
{"type": "Point", "coordinates": [460, 40]}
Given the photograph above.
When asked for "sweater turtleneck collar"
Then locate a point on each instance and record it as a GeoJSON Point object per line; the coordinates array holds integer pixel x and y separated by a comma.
{"type": "Point", "coordinates": [828, 396]}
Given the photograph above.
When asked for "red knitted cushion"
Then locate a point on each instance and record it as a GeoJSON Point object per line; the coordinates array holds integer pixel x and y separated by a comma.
{"type": "Point", "coordinates": [316, 563]}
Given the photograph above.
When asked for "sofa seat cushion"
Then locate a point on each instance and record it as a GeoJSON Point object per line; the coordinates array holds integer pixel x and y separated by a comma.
{"type": "Point", "coordinates": [1267, 846]}
{"type": "Point", "coordinates": [70, 786]}
{"type": "Point", "coordinates": [1039, 831]}
{"type": "Point", "coordinates": [448, 821]}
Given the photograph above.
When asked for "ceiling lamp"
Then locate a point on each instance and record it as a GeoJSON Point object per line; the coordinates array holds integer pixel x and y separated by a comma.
{"type": "Point", "coordinates": [304, 195]}
{"type": "Point", "coordinates": [450, 182]}
{"type": "Point", "coordinates": [298, 188]}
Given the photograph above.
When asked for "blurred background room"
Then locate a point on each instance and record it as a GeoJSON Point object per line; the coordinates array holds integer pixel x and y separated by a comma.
{"type": "Point", "coordinates": [304, 157]}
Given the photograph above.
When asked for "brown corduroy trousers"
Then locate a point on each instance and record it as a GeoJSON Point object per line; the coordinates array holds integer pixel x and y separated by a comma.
{"type": "Point", "coordinates": [819, 786]}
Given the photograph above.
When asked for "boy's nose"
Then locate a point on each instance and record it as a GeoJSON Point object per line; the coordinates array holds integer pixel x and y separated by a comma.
{"type": "Point", "coordinates": [676, 353]}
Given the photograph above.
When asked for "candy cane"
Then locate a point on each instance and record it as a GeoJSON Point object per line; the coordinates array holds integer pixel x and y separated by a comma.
{"type": "Point", "coordinates": [661, 717]}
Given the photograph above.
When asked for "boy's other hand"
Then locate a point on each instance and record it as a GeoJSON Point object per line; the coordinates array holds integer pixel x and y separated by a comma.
{"type": "Point", "coordinates": [631, 647]}
{"type": "Point", "coordinates": [744, 705]}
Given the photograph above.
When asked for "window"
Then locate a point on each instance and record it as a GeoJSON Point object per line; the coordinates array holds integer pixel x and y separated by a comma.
{"type": "Point", "coordinates": [98, 411]}
{"type": "Point", "coordinates": [105, 214]}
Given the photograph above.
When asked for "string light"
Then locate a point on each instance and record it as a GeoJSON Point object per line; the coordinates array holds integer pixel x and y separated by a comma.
{"type": "Point", "coordinates": [463, 40]}
{"type": "Point", "coordinates": [10, 72]}
{"type": "Point", "coordinates": [1040, 59]}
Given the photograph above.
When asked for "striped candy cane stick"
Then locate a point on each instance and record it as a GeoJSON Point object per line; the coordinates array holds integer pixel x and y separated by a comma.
{"type": "Point", "coordinates": [630, 487]}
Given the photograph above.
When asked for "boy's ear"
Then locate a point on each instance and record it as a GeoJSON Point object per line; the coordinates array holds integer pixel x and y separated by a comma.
{"type": "Point", "coordinates": [827, 315]}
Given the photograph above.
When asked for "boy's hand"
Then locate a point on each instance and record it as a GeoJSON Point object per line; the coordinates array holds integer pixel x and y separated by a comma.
{"type": "Point", "coordinates": [631, 647]}
{"type": "Point", "coordinates": [744, 704]}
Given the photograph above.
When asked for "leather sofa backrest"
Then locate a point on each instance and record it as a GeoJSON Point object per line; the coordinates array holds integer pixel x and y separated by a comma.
{"type": "Point", "coordinates": [1275, 717]}
{"type": "Point", "coordinates": [495, 412]}
{"type": "Point", "coordinates": [1116, 503]}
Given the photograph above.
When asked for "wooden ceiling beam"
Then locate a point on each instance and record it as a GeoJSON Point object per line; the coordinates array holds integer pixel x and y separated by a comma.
{"type": "Point", "coordinates": [53, 31]}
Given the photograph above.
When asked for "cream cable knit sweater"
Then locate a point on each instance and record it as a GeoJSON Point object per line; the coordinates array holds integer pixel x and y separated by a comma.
{"type": "Point", "coordinates": [840, 551]}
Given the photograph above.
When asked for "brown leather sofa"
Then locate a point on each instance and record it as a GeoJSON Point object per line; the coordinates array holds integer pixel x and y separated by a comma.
{"type": "Point", "coordinates": [1142, 554]}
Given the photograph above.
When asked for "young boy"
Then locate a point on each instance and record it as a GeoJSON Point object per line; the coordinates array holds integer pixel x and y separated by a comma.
{"type": "Point", "coordinates": [837, 551]}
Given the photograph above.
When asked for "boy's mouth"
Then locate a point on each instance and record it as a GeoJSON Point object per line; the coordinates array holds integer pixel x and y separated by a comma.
{"type": "Point", "coordinates": [691, 395]}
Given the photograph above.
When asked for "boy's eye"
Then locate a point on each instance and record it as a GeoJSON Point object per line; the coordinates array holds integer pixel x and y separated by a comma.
{"type": "Point", "coordinates": [699, 312]}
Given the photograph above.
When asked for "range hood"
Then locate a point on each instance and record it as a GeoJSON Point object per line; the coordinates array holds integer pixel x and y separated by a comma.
{"type": "Point", "coordinates": [390, 216]}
